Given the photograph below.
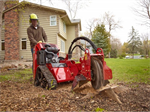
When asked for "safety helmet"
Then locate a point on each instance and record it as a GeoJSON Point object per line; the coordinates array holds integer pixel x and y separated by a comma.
{"type": "Point", "coordinates": [33, 16]}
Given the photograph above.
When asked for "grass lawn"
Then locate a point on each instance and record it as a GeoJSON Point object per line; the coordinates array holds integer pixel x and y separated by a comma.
{"type": "Point", "coordinates": [126, 70]}
{"type": "Point", "coordinates": [130, 70]}
{"type": "Point", "coordinates": [16, 75]}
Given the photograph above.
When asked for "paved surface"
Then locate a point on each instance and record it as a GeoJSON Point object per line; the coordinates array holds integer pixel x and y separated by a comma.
{"type": "Point", "coordinates": [135, 57]}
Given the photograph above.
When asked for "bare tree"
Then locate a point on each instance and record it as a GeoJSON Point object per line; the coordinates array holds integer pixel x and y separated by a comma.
{"type": "Point", "coordinates": [91, 24]}
{"type": "Point", "coordinates": [109, 20]}
{"type": "Point", "coordinates": [115, 47]}
{"type": "Point", "coordinates": [142, 9]}
{"type": "Point", "coordinates": [87, 34]}
{"type": "Point", "coordinates": [115, 43]}
{"type": "Point", "coordinates": [73, 6]}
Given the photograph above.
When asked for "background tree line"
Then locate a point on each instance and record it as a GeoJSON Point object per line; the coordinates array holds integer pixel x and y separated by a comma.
{"type": "Point", "coordinates": [139, 44]}
{"type": "Point", "coordinates": [136, 44]}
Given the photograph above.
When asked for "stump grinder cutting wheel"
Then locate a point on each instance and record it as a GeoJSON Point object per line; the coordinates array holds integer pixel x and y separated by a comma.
{"type": "Point", "coordinates": [49, 68]}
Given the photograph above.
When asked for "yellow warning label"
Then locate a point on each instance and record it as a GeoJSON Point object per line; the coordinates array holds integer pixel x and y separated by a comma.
{"type": "Point", "coordinates": [85, 56]}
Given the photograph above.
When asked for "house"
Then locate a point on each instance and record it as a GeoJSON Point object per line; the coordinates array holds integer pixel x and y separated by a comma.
{"type": "Point", "coordinates": [60, 30]}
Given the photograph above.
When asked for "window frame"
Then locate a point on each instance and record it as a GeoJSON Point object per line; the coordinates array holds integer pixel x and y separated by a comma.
{"type": "Point", "coordinates": [53, 21]}
{"type": "Point", "coordinates": [3, 25]}
{"type": "Point", "coordinates": [2, 41]}
{"type": "Point", "coordinates": [62, 49]}
{"type": "Point", "coordinates": [23, 41]}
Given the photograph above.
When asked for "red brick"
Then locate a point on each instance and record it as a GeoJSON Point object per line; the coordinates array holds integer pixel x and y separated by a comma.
{"type": "Point", "coordinates": [12, 41]}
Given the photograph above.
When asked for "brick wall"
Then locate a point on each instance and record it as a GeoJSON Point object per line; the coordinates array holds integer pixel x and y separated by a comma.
{"type": "Point", "coordinates": [12, 41]}
{"type": "Point", "coordinates": [11, 3]}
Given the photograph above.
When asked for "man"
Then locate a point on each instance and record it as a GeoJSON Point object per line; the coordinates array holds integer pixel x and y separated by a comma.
{"type": "Point", "coordinates": [35, 33]}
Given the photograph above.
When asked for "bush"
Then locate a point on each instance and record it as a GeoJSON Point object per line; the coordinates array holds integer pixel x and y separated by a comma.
{"type": "Point", "coordinates": [123, 54]}
{"type": "Point", "coordinates": [120, 57]}
{"type": "Point", "coordinates": [113, 53]}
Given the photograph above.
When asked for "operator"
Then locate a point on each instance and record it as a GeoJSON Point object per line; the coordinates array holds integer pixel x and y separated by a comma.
{"type": "Point", "coordinates": [35, 32]}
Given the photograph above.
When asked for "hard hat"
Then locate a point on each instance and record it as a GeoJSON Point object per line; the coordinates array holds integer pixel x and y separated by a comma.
{"type": "Point", "coordinates": [33, 16]}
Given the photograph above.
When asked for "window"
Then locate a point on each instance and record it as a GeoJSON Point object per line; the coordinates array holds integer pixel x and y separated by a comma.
{"type": "Point", "coordinates": [2, 45]}
{"type": "Point", "coordinates": [24, 43]}
{"type": "Point", "coordinates": [3, 25]}
{"type": "Point", "coordinates": [62, 46]}
{"type": "Point", "coordinates": [53, 20]}
{"type": "Point", "coordinates": [64, 27]}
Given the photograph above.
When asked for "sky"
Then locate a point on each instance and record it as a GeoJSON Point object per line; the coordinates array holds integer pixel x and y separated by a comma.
{"type": "Point", "coordinates": [121, 9]}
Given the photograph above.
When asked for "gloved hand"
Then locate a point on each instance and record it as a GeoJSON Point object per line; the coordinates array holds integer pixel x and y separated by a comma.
{"type": "Point", "coordinates": [40, 42]}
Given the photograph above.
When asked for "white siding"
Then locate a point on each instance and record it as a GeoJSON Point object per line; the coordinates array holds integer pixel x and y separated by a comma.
{"type": "Point", "coordinates": [59, 44]}
{"type": "Point", "coordinates": [70, 36]}
{"type": "Point", "coordinates": [64, 34]}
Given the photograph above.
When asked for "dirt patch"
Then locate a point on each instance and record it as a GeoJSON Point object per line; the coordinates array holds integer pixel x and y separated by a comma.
{"type": "Point", "coordinates": [19, 65]}
{"type": "Point", "coordinates": [16, 96]}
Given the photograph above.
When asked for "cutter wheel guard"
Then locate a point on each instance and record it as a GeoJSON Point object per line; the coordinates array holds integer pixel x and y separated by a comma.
{"type": "Point", "coordinates": [49, 68]}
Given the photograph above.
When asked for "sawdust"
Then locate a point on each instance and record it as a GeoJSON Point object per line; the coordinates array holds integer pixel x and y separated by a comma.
{"type": "Point", "coordinates": [16, 96]}
{"type": "Point", "coordinates": [109, 90]}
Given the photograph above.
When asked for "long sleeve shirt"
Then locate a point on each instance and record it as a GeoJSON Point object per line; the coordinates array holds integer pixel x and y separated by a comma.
{"type": "Point", "coordinates": [35, 35]}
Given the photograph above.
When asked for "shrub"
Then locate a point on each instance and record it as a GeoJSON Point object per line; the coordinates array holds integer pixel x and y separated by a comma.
{"type": "Point", "coordinates": [113, 53]}
{"type": "Point", "coordinates": [120, 57]}
{"type": "Point", "coordinates": [123, 54]}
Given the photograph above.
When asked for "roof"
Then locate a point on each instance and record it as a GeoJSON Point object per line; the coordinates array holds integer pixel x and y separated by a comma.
{"type": "Point", "coordinates": [63, 13]}
{"type": "Point", "coordinates": [75, 20]}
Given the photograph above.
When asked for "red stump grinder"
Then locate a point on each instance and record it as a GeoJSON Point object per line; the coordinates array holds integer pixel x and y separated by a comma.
{"type": "Point", "coordinates": [49, 69]}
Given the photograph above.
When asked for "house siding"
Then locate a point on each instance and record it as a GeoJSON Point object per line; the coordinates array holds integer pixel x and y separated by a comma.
{"type": "Point", "coordinates": [44, 20]}
{"type": "Point", "coordinates": [61, 29]}
{"type": "Point", "coordinates": [71, 36]}
{"type": "Point", "coordinates": [63, 54]}
{"type": "Point", "coordinates": [59, 42]}
{"type": "Point", "coordinates": [54, 33]}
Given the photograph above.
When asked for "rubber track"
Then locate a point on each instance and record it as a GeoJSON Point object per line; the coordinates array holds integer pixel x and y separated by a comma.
{"type": "Point", "coordinates": [49, 76]}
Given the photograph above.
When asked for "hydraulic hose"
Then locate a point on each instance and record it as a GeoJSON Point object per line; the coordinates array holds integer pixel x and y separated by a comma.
{"type": "Point", "coordinates": [80, 38]}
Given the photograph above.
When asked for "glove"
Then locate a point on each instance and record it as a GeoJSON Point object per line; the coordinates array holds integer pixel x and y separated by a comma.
{"type": "Point", "coordinates": [40, 42]}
